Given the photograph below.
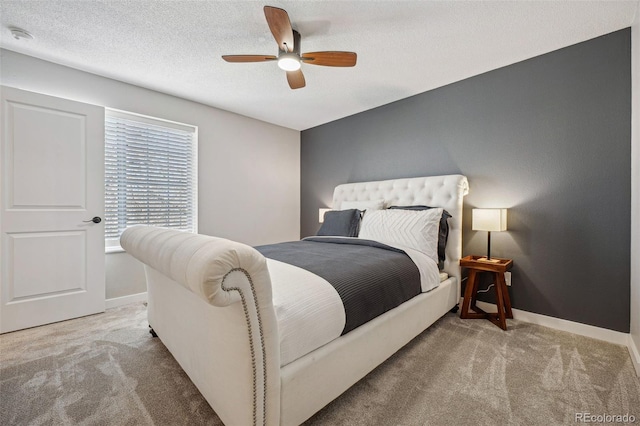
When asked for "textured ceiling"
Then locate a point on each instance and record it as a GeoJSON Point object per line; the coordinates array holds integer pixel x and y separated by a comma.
{"type": "Point", "coordinates": [404, 47]}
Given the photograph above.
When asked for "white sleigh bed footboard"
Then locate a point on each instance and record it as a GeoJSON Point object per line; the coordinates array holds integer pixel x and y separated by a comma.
{"type": "Point", "coordinates": [218, 323]}
{"type": "Point", "coordinates": [210, 302]}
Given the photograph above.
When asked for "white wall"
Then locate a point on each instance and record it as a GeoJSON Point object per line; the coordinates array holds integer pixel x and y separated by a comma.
{"type": "Point", "coordinates": [634, 341]}
{"type": "Point", "coordinates": [248, 170]}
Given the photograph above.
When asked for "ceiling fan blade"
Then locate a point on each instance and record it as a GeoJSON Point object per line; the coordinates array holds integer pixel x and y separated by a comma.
{"type": "Point", "coordinates": [280, 27]}
{"type": "Point", "coordinates": [330, 59]}
{"type": "Point", "coordinates": [295, 79]}
{"type": "Point", "coordinates": [249, 58]}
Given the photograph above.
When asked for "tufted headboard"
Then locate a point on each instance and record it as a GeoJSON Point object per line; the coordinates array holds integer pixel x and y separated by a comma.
{"type": "Point", "coordinates": [435, 191]}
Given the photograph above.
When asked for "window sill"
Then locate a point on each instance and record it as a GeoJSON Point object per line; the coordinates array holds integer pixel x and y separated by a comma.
{"type": "Point", "coordinates": [113, 249]}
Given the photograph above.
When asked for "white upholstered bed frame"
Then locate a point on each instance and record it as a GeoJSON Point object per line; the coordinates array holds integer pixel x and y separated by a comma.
{"type": "Point", "coordinates": [209, 301]}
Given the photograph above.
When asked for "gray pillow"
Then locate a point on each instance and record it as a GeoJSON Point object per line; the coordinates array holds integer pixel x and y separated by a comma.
{"type": "Point", "coordinates": [340, 223]}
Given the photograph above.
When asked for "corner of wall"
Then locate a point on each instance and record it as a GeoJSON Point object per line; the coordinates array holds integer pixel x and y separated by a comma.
{"type": "Point", "coordinates": [633, 346]}
{"type": "Point", "coordinates": [634, 337]}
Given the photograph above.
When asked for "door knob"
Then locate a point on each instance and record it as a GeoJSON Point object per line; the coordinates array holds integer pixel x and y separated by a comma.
{"type": "Point", "coordinates": [96, 219]}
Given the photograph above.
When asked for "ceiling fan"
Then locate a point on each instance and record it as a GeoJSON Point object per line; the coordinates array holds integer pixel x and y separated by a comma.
{"type": "Point", "coordinates": [289, 57]}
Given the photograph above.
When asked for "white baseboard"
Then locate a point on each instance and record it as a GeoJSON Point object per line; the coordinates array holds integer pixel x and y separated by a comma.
{"type": "Point", "coordinates": [634, 351]}
{"type": "Point", "coordinates": [599, 333]}
{"type": "Point", "coordinates": [125, 300]}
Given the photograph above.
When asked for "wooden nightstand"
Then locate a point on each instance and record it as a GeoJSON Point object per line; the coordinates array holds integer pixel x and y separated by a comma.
{"type": "Point", "coordinates": [497, 267]}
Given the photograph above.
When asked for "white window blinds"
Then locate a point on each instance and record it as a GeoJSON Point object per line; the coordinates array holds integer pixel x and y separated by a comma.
{"type": "Point", "coordinates": [150, 174]}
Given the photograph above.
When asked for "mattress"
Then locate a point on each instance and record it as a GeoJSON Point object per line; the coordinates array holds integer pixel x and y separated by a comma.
{"type": "Point", "coordinates": [312, 315]}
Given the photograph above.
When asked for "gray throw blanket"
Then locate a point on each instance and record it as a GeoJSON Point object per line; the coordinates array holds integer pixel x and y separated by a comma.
{"type": "Point", "coordinates": [371, 278]}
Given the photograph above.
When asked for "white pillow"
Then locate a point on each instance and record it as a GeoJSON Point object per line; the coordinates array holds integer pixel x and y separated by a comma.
{"type": "Point", "coordinates": [415, 229]}
{"type": "Point", "coordinates": [363, 205]}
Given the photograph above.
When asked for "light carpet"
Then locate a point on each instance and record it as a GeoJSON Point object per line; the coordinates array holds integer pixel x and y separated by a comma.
{"type": "Point", "coordinates": [106, 369]}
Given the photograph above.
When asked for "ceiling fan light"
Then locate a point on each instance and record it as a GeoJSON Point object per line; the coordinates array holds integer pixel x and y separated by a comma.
{"type": "Point", "coordinates": [289, 62]}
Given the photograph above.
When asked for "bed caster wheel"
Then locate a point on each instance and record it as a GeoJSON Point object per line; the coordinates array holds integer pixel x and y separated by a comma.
{"type": "Point", "coordinates": [153, 333]}
{"type": "Point", "coordinates": [455, 309]}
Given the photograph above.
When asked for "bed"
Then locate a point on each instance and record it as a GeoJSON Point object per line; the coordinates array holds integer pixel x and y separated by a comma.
{"type": "Point", "coordinates": [215, 304]}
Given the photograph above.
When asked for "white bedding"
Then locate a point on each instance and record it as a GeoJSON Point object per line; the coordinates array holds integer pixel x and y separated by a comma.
{"type": "Point", "coordinates": [309, 310]}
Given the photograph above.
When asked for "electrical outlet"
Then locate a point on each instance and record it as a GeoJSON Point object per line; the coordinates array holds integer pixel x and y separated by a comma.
{"type": "Point", "coordinates": [507, 278]}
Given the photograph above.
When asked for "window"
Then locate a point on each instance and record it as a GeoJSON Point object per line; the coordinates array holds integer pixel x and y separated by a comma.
{"type": "Point", "coordinates": [150, 174]}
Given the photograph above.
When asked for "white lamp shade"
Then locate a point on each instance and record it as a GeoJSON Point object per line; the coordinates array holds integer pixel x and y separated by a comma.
{"type": "Point", "coordinates": [321, 213]}
{"type": "Point", "coordinates": [489, 220]}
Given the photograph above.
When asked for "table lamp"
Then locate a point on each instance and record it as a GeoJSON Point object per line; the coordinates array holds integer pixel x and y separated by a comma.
{"type": "Point", "coordinates": [489, 220]}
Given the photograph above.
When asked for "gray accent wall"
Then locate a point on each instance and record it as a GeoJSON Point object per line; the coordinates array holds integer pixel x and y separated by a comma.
{"type": "Point", "coordinates": [548, 138]}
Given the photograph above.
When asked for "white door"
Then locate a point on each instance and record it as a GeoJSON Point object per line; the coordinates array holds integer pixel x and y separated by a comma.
{"type": "Point", "coordinates": [51, 184]}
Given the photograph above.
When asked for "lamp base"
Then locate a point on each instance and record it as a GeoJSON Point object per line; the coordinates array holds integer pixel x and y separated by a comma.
{"type": "Point", "coordinates": [486, 259]}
